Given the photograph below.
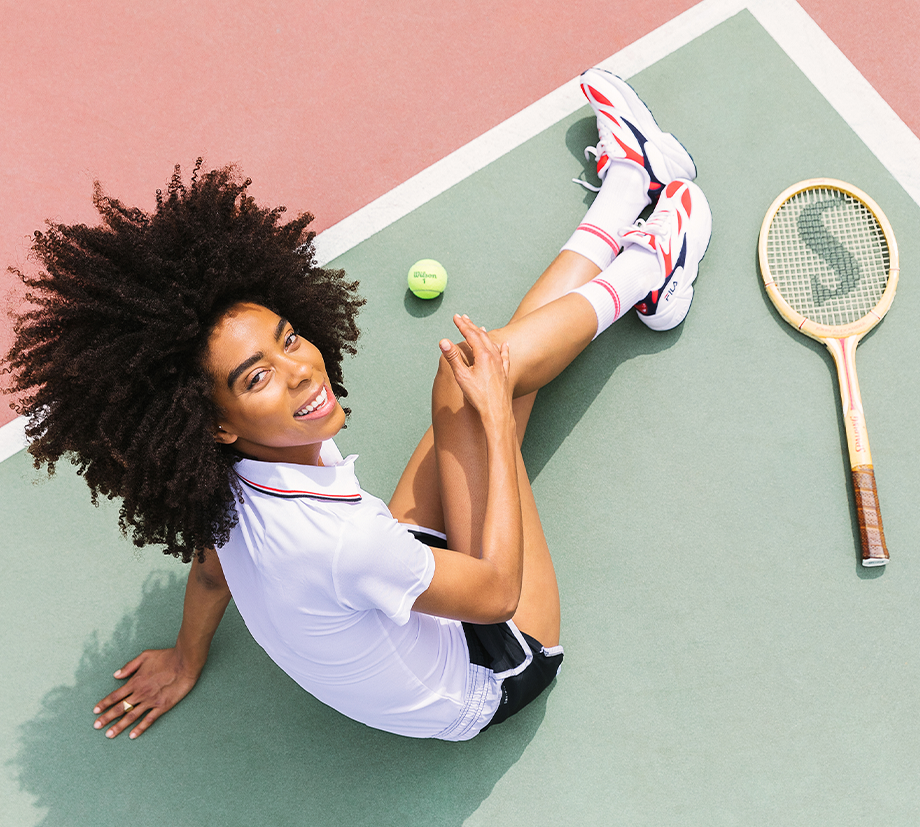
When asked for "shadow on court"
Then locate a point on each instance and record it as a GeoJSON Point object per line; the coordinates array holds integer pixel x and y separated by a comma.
{"type": "Point", "coordinates": [561, 405]}
{"type": "Point", "coordinates": [248, 746]}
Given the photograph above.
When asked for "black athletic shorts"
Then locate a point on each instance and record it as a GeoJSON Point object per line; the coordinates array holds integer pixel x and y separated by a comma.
{"type": "Point", "coordinates": [497, 646]}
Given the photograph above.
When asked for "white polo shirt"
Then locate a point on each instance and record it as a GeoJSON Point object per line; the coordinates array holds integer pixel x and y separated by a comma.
{"type": "Point", "coordinates": [325, 579]}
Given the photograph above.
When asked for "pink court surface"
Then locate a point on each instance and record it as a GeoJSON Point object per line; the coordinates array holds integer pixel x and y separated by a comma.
{"type": "Point", "coordinates": [326, 106]}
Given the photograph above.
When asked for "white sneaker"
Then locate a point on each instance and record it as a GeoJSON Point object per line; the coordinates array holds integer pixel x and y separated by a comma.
{"type": "Point", "coordinates": [627, 131]}
{"type": "Point", "coordinates": [678, 232]}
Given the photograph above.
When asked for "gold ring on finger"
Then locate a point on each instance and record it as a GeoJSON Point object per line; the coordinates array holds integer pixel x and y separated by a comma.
{"type": "Point", "coordinates": [128, 707]}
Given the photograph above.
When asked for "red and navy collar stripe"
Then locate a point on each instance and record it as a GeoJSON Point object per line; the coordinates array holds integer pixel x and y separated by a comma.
{"type": "Point", "coordinates": [287, 494]}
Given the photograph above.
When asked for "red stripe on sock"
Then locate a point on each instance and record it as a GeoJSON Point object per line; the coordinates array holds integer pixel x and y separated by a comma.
{"type": "Point", "coordinates": [603, 235]}
{"type": "Point", "coordinates": [613, 295]}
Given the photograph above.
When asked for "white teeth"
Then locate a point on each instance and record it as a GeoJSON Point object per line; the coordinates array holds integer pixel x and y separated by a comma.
{"type": "Point", "coordinates": [316, 403]}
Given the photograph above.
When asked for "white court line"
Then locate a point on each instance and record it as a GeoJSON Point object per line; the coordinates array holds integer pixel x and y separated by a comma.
{"type": "Point", "coordinates": [12, 438]}
{"type": "Point", "coordinates": [838, 80]}
{"type": "Point", "coordinates": [841, 83]}
{"type": "Point", "coordinates": [510, 134]}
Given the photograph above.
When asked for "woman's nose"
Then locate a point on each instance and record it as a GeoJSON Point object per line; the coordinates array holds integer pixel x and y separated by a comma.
{"type": "Point", "coordinates": [301, 371]}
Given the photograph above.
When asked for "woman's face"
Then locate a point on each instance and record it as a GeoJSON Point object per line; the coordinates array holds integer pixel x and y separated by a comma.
{"type": "Point", "coordinates": [271, 388]}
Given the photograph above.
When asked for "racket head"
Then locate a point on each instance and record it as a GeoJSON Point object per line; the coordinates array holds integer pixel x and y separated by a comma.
{"type": "Point", "coordinates": [828, 259]}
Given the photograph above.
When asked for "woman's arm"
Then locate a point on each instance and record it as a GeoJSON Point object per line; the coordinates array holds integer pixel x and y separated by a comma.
{"type": "Point", "coordinates": [483, 586]}
{"type": "Point", "coordinates": [157, 679]}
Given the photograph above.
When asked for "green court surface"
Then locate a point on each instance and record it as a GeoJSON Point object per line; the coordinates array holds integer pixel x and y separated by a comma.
{"type": "Point", "coordinates": [728, 661]}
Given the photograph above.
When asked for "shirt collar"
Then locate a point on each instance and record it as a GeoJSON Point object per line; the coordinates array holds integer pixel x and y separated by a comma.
{"type": "Point", "coordinates": [337, 482]}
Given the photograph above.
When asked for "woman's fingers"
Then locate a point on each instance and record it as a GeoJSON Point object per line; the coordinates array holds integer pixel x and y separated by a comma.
{"type": "Point", "coordinates": [156, 682]}
{"type": "Point", "coordinates": [456, 358]}
{"type": "Point", "coordinates": [120, 707]}
{"type": "Point", "coordinates": [477, 337]}
{"type": "Point", "coordinates": [130, 667]}
{"type": "Point", "coordinates": [506, 357]}
{"type": "Point", "coordinates": [116, 696]}
{"type": "Point", "coordinates": [471, 332]}
{"type": "Point", "coordinates": [480, 366]}
{"type": "Point", "coordinates": [145, 723]}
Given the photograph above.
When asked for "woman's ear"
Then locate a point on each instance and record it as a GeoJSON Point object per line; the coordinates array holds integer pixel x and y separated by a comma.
{"type": "Point", "coordinates": [223, 437]}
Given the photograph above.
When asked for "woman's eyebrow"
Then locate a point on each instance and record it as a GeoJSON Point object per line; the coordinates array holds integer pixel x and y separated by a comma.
{"type": "Point", "coordinates": [256, 357]}
{"type": "Point", "coordinates": [242, 368]}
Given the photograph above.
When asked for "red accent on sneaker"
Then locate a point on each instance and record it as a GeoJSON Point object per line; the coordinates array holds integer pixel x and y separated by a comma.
{"type": "Point", "coordinates": [668, 260]}
{"type": "Point", "coordinates": [685, 199]}
{"type": "Point", "coordinates": [655, 243]}
{"type": "Point", "coordinates": [673, 187]}
{"type": "Point", "coordinates": [595, 95]}
{"type": "Point", "coordinates": [631, 154]}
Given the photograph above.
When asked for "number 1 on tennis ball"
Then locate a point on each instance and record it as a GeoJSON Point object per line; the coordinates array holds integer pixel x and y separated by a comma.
{"type": "Point", "coordinates": [427, 278]}
{"type": "Point", "coordinates": [829, 262]}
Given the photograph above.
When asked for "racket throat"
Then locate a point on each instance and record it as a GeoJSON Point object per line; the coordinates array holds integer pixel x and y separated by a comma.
{"type": "Point", "coordinates": [844, 353]}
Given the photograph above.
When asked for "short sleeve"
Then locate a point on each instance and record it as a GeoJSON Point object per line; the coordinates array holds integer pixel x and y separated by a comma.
{"type": "Point", "coordinates": [380, 565]}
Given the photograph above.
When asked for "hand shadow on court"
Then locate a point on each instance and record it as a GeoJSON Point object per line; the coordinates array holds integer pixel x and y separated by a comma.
{"type": "Point", "coordinates": [247, 746]}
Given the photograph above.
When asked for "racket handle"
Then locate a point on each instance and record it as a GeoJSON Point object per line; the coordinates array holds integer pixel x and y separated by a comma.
{"type": "Point", "coordinates": [874, 552]}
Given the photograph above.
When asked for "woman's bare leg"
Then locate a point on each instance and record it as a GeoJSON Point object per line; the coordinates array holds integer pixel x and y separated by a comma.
{"type": "Point", "coordinates": [416, 499]}
{"type": "Point", "coordinates": [451, 468]}
{"type": "Point", "coordinates": [444, 484]}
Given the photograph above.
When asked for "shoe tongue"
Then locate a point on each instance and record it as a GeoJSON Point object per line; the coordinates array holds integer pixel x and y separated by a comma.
{"type": "Point", "coordinates": [657, 224]}
{"type": "Point", "coordinates": [642, 237]}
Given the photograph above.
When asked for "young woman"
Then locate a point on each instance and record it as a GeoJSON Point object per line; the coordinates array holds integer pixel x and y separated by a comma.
{"type": "Point", "coordinates": [190, 361]}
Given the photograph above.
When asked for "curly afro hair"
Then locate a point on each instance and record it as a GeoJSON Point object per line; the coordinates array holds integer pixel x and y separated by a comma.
{"type": "Point", "coordinates": [107, 360]}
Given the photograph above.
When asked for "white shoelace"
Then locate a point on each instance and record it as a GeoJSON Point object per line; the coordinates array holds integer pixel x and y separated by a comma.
{"type": "Point", "coordinates": [657, 225]}
{"type": "Point", "coordinates": [605, 144]}
{"type": "Point", "coordinates": [590, 152]}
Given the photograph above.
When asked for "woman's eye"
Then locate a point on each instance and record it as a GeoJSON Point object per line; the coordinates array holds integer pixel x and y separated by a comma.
{"type": "Point", "coordinates": [290, 340]}
{"type": "Point", "coordinates": [256, 378]}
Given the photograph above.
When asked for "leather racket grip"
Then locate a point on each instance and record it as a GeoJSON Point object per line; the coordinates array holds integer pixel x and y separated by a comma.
{"type": "Point", "coordinates": [874, 551]}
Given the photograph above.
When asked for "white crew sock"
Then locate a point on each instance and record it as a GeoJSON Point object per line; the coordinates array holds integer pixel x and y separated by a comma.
{"type": "Point", "coordinates": [622, 285]}
{"type": "Point", "coordinates": [623, 195]}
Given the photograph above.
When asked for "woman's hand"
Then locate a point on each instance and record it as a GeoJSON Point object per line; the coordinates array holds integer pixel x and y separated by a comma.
{"type": "Point", "coordinates": [157, 679]}
{"type": "Point", "coordinates": [482, 369]}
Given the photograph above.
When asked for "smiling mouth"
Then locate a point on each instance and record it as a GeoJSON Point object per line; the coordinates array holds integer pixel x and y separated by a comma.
{"type": "Point", "coordinates": [318, 403]}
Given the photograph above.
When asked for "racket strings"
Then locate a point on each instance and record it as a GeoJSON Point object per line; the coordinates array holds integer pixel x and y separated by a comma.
{"type": "Point", "coordinates": [828, 256]}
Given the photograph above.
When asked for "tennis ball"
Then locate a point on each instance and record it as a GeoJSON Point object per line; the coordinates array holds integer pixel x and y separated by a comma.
{"type": "Point", "coordinates": [427, 278]}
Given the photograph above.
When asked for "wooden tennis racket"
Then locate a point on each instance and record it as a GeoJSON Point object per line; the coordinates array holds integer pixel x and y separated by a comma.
{"type": "Point", "coordinates": [829, 261]}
